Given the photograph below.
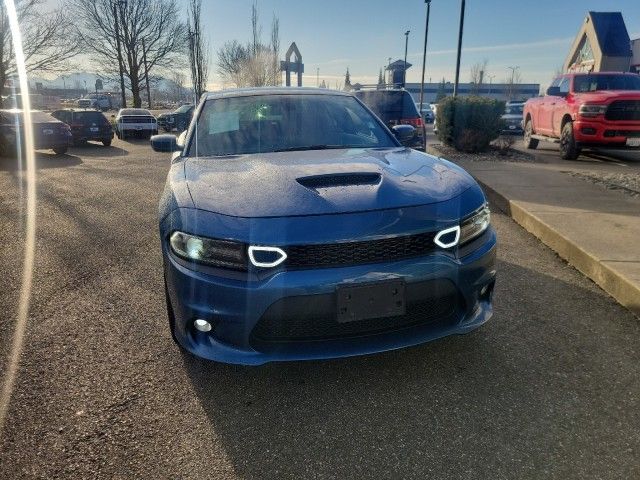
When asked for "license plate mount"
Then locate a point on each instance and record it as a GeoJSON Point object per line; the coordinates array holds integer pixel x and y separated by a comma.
{"type": "Point", "coordinates": [370, 300]}
{"type": "Point", "coordinates": [633, 142]}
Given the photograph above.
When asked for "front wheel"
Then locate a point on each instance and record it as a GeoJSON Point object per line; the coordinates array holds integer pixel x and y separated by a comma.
{"type": "Point", "coordinates": [569, 150]}
{"type": "Point", "coordinates": [106, 143]}
{"type": "Point", "coordinates": [529, 142]}
{"type": "Point", "coordinates": [60, 150]}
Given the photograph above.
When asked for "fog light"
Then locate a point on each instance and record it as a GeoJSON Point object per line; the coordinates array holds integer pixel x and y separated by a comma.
{"type": "Point", "coordinates": [202, 325]}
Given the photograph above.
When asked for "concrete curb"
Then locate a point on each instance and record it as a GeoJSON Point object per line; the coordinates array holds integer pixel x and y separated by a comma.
{"type": "Point", "coordinates": [623, 289]}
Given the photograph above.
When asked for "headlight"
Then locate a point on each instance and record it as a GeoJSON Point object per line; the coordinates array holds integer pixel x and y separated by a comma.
{"type": "Point", "coordinates": [475, 225]}
{"type": "Point", "coordinates": [587, 110]}
{"type": "Point", "coordinates": [225, 253]}
{"type": "Point", "coordinates": [218, 253]}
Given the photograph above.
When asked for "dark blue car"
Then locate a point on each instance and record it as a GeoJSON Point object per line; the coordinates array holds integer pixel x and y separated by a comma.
{"type": "Point", "coordinates": [295, 226]}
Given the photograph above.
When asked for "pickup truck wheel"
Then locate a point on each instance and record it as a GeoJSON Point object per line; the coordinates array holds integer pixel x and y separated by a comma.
{"type": "Point", "coordinates": [530, 143]}
{"type": "Point", "coordinates": [568, 148]}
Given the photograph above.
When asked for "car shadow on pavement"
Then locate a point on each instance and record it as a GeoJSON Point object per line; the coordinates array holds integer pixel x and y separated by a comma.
{"type": "Point", "coordinates": [91, 149]}
{"type": "Point", "coordinates": [43, 161]}
{"type": "Point", "coordinates": [527, 392]}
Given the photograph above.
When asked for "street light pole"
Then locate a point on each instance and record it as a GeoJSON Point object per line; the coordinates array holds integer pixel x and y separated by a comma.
{"type": "Point", "coordinates": [406, 46]}
{"type": "Point", "coordinates": [116, 4]}
{"type": "Point", "coordinates": [424, 53]}
{"type": "Point", "coordinates": [513, 78]}
{"type": "Point", "coordinates": [455, 85]}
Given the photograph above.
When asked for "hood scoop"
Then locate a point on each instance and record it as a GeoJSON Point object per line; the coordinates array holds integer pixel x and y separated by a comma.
{"type": "Point", "coordinates": [337, 180]}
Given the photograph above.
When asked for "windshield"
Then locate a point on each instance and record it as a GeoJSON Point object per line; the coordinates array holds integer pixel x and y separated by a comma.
{"type": "Point", "coordinates": [389, 105]}
{"type": "Point", "coordinates": [593, 83]}
{"type": "Point", "coordinates": [513, 109]}
{"type": "Point", "coordinates": [184, 109]}
{"type": "Point", "coordinates": [96, 117]}
{"type": "Point", "coordinates": [36, 116]}
{"type": "Point", "coordinates": [270, 123]}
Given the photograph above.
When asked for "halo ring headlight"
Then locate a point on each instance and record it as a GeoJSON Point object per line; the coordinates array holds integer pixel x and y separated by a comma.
{"type": "Point", "coordinates": [256, 263]}
{"type": "Point", "coordinates": [447, 232]}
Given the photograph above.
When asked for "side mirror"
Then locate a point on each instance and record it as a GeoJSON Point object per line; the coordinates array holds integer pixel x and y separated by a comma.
{"type": "Point", "coordinates": [165, 143]}
{"type": "Point", "coordinates": [404, 133]}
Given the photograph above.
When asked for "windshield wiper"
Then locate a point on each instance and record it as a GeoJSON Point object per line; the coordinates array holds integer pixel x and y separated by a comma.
{"type": "Point", "coordinates": [309, 147]}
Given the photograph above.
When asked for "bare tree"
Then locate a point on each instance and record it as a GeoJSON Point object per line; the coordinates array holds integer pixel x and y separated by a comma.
{"type": "Point", "coordinates": [275, 47]}
{"type": "Point", "coordinates": [198, 49]}
{"type": "Point", "coordinates": [152, 23]}
{"type": "Point", "coordinates": [48, 39]}
{"type": "Point", "coordinates": [177, 86]}
{"type": "Point", "coordinates": [476, 75]}
{"type": "Point", "coordinates": [512, 83]}
{"type": "Point", "coordinates": [255, 64]}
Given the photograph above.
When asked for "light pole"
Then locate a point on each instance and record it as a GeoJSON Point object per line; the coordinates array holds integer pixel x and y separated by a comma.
{"type": "Point", "coordinates": [455, 85]}
{"type": "Point", "coordinates": [424, 53]}
{"type": "Point", "coordinates": [389, 71]}
{"type": "Point", "coordinates": [317, 76]}
{"type": "Point", "coordinates": [491, 77]}
{"type": "Point", "coordinates": [116, 5]}
{"type": "Point", "coordinates": [406, 46]}
{"type": "Point", "coordinates": [513, 78]}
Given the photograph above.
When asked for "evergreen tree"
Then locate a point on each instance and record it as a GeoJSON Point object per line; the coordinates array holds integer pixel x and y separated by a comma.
{"type": "Point", "coordinates": [347, 80]}
{"type": "Point", "coordinates": [380, 80]}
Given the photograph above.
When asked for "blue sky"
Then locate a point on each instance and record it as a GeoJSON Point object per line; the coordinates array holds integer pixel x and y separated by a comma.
{"type": "Point", "coordinates": [334, 34]}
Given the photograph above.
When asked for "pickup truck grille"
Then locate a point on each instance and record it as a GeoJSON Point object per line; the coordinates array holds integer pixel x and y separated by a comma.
{"type": "Point", "coordinates": [623, 110]}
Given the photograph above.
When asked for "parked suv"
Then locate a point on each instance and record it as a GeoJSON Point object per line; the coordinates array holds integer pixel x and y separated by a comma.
{"type": "Point", "coordinates": [178, 120]}
{"type": "Point", "coordinates": [97, 101]}
{"type": "Point", "coordinates": [513, 118]}
{"type": "Point", "coordinates": [86, 125]}
{"type": "Point", "coordinates": [396, 107]}
{"type": "Point", "coordinates": [586, 110]}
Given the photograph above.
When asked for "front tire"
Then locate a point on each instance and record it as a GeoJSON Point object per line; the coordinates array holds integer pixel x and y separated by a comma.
{"type": "Point", "coordinates": [60, 150]}
{"type": "Point", "coordinates": [529, 142]}
{"type": "Point", "coordinates": [569, 150]}
{"type": "Point", "coordinates": [106, 143]}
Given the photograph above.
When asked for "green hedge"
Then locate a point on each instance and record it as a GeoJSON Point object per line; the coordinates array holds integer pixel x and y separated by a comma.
{"type": "Point", "coordinates": [469, 123]}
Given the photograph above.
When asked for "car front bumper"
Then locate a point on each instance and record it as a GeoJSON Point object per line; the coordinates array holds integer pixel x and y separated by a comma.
{"type": "Point", "coordinates": [606, 134]}
{"type": "Point", "coordinates": [240, 309]}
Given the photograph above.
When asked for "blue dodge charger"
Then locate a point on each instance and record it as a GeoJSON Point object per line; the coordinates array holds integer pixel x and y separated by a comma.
{"type": "Point", "coordinates": [294, 225]}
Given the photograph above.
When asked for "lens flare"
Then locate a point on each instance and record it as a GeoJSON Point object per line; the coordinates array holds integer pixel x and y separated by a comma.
{"type": "Point", "coordinates": [30, 225]}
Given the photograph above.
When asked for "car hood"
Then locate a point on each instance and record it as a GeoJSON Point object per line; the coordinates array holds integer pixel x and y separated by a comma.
{"type": "Point", "coordinates": [321, 182]}
{"type": "Point", "coordinates": [608, 95]}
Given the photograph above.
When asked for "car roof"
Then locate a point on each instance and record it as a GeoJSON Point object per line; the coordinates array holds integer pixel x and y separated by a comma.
{"type": "Point", "coordinates": [134, 111]}
{"type": "Point", "coordinates": [248, 92]}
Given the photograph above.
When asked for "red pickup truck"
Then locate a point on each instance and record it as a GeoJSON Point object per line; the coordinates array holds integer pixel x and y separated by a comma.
{"type": "Point", "coordinates": [586, 110]}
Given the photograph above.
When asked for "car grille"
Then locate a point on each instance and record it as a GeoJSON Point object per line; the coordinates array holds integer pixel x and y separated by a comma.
{"type": "Point", "coordinates": [356, 253]}
{"type": "Point", "coordinates": [137, 120]}
{"type": "Point", "coordinates": [622, 110]}
{"type": "Point", "coordinates": [622, 133]}
{"type": "Point", "coordinates": [313, 318]}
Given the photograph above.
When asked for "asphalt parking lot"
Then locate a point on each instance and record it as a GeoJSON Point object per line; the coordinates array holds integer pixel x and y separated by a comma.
{"type": "Point", "coordinates": [549, 388]}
